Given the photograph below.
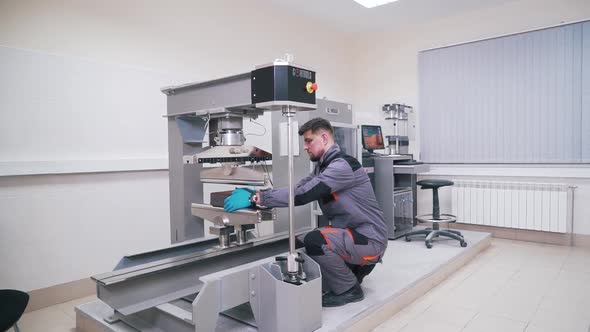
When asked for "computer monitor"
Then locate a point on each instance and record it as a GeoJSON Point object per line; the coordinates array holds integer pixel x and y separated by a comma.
{"type": "Point", "coordinates": [372, 138]}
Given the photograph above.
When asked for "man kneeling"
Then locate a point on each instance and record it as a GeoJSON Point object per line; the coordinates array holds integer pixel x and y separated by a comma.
{"type": "Point", "coordinates": [357, 237]}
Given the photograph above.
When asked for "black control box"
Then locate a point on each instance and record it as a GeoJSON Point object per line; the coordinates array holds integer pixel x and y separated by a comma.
{"type": "Point", "coordinates": [283, 83]}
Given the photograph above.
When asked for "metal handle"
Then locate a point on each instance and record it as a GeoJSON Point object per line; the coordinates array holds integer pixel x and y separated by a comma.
{"type": "Point", "coordinates": [292, 266]}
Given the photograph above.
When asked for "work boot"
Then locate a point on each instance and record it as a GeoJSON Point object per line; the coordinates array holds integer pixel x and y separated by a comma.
{"type": "Point", "coordinates": [355, 294]}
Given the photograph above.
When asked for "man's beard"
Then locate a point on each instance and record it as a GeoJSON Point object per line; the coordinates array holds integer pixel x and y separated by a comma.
{"type": "Point", "coordinates": [313, 158]}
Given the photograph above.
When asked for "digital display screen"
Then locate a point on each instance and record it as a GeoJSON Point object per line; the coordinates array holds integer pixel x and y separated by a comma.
{"type": "Point", "coordinates": [372, 137]}
{"type": "Point", "coordinates": [297, 72]}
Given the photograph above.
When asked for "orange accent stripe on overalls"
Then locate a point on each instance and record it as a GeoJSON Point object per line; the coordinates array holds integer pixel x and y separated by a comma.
{"type": "Point", "coordinates": [328, 231]}
{"type": "Point", "coordinates": [369, 258]}
{"type": "Point", "coordinates": [335, 195]}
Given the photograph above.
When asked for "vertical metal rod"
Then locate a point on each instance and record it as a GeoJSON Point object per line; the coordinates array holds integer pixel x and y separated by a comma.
{"type": "Point", "coordinates": [291, 263]}
{"type": "Point", "coordinates": [396, 124]}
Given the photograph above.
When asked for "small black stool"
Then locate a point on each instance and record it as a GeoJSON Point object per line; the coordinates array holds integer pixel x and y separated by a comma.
{"type": "Point", "coordinates": [436, 217]}
{"type": "Point", "coordinates": [12, 306]}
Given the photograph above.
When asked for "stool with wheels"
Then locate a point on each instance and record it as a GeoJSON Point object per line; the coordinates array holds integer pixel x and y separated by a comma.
{"type": "Point", "coordinates": [436, 217]}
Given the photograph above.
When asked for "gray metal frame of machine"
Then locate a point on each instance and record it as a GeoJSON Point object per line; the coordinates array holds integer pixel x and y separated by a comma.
{"type": "Point", "coordinates": [186, 187]}
{"type": "Point", "coordinates": [153, 295]}
{"type": "Point", "coordinates": [389, 175]}
{"type": "Point", "coordinates": [154, 291]}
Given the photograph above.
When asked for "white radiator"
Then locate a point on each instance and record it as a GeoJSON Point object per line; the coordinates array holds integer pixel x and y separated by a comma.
{"type": "Point", "coordinates": [534, 206]}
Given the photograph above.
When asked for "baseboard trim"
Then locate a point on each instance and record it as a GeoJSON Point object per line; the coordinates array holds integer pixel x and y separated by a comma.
{"type": "Point", "coordinates": [45, 297]}
{"type": "Point", "coordinates": [578, 240]}
{"type": "Point", "coordinates": [582, 240]}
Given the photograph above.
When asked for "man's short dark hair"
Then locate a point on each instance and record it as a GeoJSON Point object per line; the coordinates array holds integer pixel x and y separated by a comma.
{"type": "Point", "coordinates": [316, 124]}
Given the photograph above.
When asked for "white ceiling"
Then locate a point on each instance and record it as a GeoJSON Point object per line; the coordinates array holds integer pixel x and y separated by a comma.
{"type": "Point", "coordinates": [349, 16]}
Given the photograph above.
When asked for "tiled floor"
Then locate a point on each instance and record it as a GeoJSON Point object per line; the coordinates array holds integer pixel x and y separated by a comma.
{"type": "Point", "coordinates": [57, 318]}
{"type": "Point", "coordinates": [512, 286]}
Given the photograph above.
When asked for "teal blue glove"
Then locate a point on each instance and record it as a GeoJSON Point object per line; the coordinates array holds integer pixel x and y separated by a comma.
{"type": "Point", "coordinates": [239, 199]}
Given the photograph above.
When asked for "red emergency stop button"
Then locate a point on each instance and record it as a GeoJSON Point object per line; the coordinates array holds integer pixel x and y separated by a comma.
{"type": "Point", "coordinates": [311, 87]}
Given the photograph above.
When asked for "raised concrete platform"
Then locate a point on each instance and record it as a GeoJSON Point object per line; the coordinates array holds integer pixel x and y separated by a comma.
{"type": "Point", "coordinates": [409, 270]}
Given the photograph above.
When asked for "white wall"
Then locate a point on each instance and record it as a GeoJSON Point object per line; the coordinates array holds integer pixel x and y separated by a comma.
{"type": "Point", "coordinates": [387, 71]}
{"type": "Point", "coordinates": [55, 229]}
{"type": "Point", "coordinates": [59, 228]}
{"type": "Point", "coordinates": [196, 39]}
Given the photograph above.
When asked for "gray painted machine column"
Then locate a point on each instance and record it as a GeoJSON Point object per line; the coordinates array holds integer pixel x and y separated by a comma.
{"type": "Point", "coordinates": [185, 185]}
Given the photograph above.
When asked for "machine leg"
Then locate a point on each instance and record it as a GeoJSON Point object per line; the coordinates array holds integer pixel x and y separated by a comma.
{"type": "Point", "coordinates": [206, 307]}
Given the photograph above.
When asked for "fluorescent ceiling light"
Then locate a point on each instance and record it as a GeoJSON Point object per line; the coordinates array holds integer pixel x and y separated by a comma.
{"type": "Point", "coordinates": [373, 3]}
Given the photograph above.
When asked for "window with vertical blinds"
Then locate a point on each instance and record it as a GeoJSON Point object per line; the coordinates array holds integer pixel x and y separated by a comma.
{"type": "Point", "coordinates": [522, 98]}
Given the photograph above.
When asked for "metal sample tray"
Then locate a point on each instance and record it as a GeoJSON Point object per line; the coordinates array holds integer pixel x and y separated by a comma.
{"type": "Point", "coordinates": [220, 217]}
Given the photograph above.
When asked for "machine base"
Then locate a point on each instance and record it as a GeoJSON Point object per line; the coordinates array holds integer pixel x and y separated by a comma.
{"type": "Point", "coordinates": [408, 271]}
